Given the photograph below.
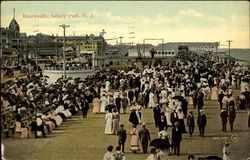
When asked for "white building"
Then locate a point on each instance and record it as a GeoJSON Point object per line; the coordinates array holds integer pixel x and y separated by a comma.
{"type": "Point", "coordinates": [158, 53]}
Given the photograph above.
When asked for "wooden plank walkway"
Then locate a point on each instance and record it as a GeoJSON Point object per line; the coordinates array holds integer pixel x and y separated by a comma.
{"type": "Point", "coordinates": [84, 139]}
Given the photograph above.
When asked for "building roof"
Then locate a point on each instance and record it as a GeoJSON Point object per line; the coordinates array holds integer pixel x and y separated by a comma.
{"type": "Point", "coordinates": [14, 25]}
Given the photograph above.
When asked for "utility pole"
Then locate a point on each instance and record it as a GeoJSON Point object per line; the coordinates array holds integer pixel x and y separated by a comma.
{"type": "Point", "coordinates": [36, 49]}
{"type": "Point", "coordinates": [103, 41]}
{"type": "Point", "coordinates": [121, 47]}
{"type": "Point", "coordinates": [121, 40]}
{"type": "Point", "coordinates": [229, 52]}
{"type": "Point", "coordinates": [64, 63]}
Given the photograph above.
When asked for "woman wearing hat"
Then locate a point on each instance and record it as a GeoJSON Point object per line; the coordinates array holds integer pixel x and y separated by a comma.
{"type": "Point", "coordinates": [134, 145]}
{"type": "Point", "coordinates": [96, 104]}
{"type": "Point", "coordinates": [108, 125]}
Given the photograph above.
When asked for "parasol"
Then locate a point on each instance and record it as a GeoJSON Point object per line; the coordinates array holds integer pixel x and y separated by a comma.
{"type": "Point", "coordinates": [179, 98]}
{"type": "Point", "coordinates": [160, 143]}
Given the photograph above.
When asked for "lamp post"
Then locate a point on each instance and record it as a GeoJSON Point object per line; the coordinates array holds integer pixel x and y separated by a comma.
{"type": "Point", "coordinates": [229, 52]}
{"type": "Point", "coordinates": [36, 49]}
{"type": "Point", "coordinates": [64, 63]}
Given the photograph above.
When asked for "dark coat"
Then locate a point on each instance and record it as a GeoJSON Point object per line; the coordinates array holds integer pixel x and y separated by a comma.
{"type": "Point", "coordinates": [223, 115]}
{"type": "Point", "coordinates": [232, 115]}
{"type": "Point", "coordinates": [184, 107]}
{"type": "Point", "coordinates": [144, 135]}
{"type": "Point", "coordinates": [133, 118]}
{"type": "Point", "coordinates": [118, 101]}
{"type": "Point", "coordinates": [200, 101]}
{"type": "Point", "coordinates": [131, 94]}
{"type": "Point", "coordinates": [176, 135]}
{"type": "Point", "coordinates": [122, 135]}
{"type": "Point", "coordinates": [157, 111]}
{"type": "Point", "coordinates": [162, 122]}
{"type": "Point", "coordinates": [174, 118]}
{"type": "Point", "coordinates": [202, 120]}
{"type": "Point", "coordinates": [190, 120]}
{"type": "Point", "coordinates": [220, 97]}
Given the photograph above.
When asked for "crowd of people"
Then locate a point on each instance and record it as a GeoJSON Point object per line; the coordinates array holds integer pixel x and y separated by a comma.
{"type": "Point", "coordinates": [47, 105]}
{"type": "Point", "coordinates": [172, 91]}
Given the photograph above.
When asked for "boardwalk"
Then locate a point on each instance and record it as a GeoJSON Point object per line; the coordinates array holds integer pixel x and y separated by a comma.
{"type": "Point", "coordinates": [84, 139]}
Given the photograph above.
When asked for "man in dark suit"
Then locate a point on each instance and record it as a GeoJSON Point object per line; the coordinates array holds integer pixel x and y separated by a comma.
{"type": "Point", "coordinates": [202, 122]}
{"type": "Point", "coordinates": [122, 136]}
{"type": "Point", "coordinates": [174, 117]}
{"type": "Point", "coordinates": [157, 114]}
{"type": "Point", "coordinates": [118, 103]}
{"type": "Point", "coordinates": [144, 138]}
{"type": "Point", "coordinates": [176, 138]}
{"type": "Point", "coordinates": [131, 96]}
{"type": "Point", "coordinates": [231, 116]}
{"type": "Point", "coordinates": [200, 101]}
{"type": "Point", "coordinates": [223, 116]}
{"type": "Point", "coordinates": [190, 123]}
{"type": "Point", "coordinates": [162, 121]}
{"type": "Point", "coordinates": [85, 108]}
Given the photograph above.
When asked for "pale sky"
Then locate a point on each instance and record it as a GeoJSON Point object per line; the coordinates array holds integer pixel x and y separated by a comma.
{"type": "Point", "coordinates": [173, 21]}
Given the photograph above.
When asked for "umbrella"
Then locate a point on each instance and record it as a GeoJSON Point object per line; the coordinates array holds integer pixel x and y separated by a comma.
{"type": "Point", "coordinates": [178, 98]}
{"type": "Point", "coordinates": [160, 143]}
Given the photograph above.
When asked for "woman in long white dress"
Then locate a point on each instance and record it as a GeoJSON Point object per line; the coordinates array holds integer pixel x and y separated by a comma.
{"type": "Point", "coordinates": [151, 103]}
{"type": "Point", "coordinates": [109, 124]}
{"type": "Point", "coordinates": [104, 103]}
{"type": "Point", "coordinates": [168, 113]}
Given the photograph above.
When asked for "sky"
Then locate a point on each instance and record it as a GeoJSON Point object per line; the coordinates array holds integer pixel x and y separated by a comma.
{"type": "Point", "coordinates": [186, 21]}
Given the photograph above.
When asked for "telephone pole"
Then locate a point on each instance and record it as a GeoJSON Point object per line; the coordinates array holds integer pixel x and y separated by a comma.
{"type": "Point", "coordinates": [64, 64]}
{"type": "Point", "coordinates": [229, 52]}
{"type": "Point", "coordinates": [103, 45]}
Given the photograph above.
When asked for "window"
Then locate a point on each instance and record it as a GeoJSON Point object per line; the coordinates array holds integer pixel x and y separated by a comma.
{"type": "Point", "coordinates": [172, 53]}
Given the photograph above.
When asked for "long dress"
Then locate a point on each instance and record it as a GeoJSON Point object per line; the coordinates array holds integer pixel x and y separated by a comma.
{"type": "Point", "coordinates": [104, 103]}
{"type": "Point", "coordinates": [134, 145]}
{"type": "Point", "coordinates": [168, 113]}
{"type": "Point", "coordinates": [214, 94]}
{"type": "Point", "coordinates": [96, 105]}
{"type": "Point", "coordinates": [151, 103]}
{"type": "Point", "coordinates": [57, 118]}
{"type": "Point", "coordinates": [108, 126]}
{"type": "Point", "coordinates": [116, 120]}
